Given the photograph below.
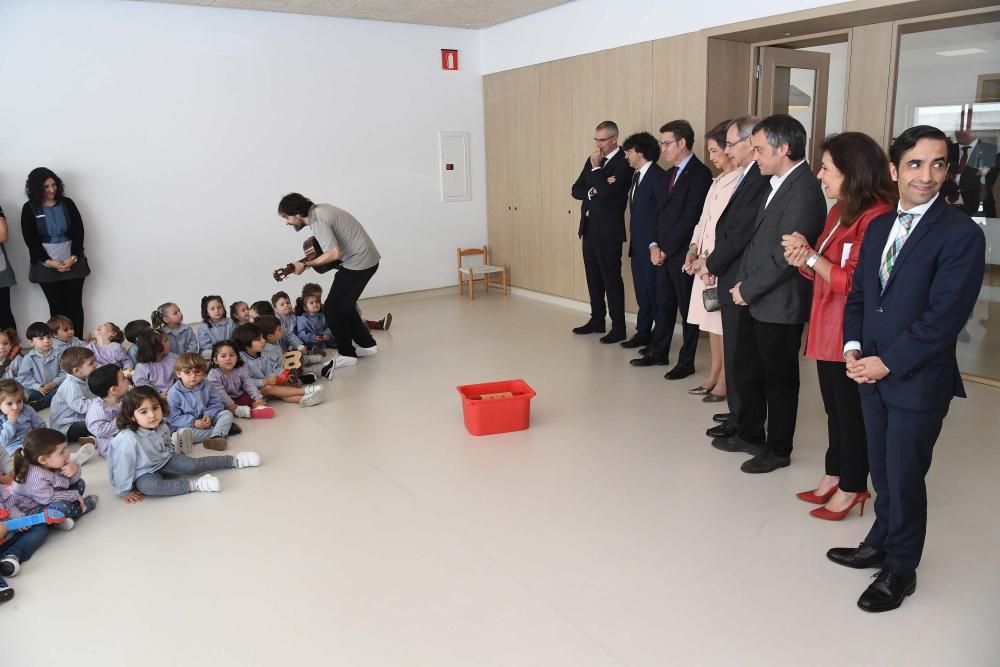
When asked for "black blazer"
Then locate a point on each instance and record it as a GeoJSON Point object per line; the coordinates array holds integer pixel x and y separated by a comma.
{"type": "Point", "coordinates": [606, 222]}
{"type": "Point", "coordinates": [775, 291]}
{"type": "Point", "coordinates": [643, 208]}
{"type": "Point", "coordinates": [29, 230]}
{"type": "Point", "coordinates": [913, 325]}
{"type": "Point", "coordinates": [734, 229]}
{"type": "Point", "coordinates": [680, 208]}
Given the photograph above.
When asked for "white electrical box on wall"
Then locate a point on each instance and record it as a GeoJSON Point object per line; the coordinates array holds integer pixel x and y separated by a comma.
{"type": "Point", "coordinates": [456, 183]}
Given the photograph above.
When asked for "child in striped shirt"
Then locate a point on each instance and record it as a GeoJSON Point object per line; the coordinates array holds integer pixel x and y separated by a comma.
{"type": "Point", "coordinates": [109, 386]}
{"type": "Point", "coordinates": [45, 478]}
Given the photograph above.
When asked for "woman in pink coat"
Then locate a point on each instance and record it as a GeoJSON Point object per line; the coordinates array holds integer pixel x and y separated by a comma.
{"type": "Point", "coordinates": [713, 388]}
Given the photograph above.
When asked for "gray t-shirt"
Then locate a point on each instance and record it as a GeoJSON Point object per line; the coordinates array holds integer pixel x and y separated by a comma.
{"type": "Point", "coordinates": [336, 228]}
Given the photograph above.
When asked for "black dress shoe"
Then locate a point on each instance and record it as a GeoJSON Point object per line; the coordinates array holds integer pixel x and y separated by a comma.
{"type": "Point", "coordinates": [649, 360]}
{"type": "Point", "coordinates": [644, 350]}
{"type": "Point", "coordinates": [679, 372]}
{"type": "Point", "coordinates": [234, 429]}
{"type": "Point", "coordinates": [735, 443]}
{"type": "Point", "coordinates": [765, 462]}
{"type": "Point", "coordinates": [860, 558]}
{"type": "Point", "coordinates": [590, 327]}
{"type": "Point", "coordinates": [722, 417]}
{"type": "Point", "coordinates": [614, 336]}
{"type": "Point", "coordinates": [636, 341]}
{"type": "Point", "coordinates": [888, 591]}
{"type": "Point", "coordinates": [724, 430]}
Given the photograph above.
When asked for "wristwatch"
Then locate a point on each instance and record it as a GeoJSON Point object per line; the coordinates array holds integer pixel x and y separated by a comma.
{"type": "Point", "coordinates": [813, 259]}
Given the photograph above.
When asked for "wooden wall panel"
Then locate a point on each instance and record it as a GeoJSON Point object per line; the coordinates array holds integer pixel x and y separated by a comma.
{"type": "Point", "coordinates": [871, 80]}
{"type": "Point", "coordinates": [524, 172]}
{"type": "Point", "coordinates": [499, 201]}
{"type": "Point", "coordinates": [560, 247]}
{"type": "Point", "coordinates": [729, 72]}
{"type": "Point", "coordinates": [680, 69]}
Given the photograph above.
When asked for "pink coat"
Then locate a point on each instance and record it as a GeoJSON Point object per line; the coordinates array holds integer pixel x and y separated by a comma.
{"type": "Point", "coordinates": [704, 238]}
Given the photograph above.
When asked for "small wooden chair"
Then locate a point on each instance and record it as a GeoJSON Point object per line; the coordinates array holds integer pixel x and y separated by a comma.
{"type": "Point", "coordinates": [495, 276]}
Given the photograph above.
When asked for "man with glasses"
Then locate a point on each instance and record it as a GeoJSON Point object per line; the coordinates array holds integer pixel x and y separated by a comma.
{"type": "Point", "coordinates": [603, 187]}
{"type": "Point", "coordinates": [732, 234]}
{"type": "Point", "coordinates": [687, 184]}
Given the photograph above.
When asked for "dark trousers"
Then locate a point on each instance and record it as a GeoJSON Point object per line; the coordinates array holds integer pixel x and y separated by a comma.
{"type": "Point", "coordinates": [602, 263]}
{"type": "Point", "coordinates": [341, 310]}
{"type": "Point", "coordinates": [644, 281]}
{"type": "Point", "coordinates": [730, 334]}
{"type": "Point", "coordinates": [6, 315]}
{"type": "Point", "coordinates": [767, 376]}
{"type": "Point", "coordinates": [673, 293]}
{"type": "Point", "coordinates": [24, 545]}
{"type": "Point", "coordinates": [76, 431]}
{"type": "Point", "coordinates": [900, 445]}
{"type": "Point", "coordinates": [66, 298]}
{"type": "Point", "coordinates": [847, 452]}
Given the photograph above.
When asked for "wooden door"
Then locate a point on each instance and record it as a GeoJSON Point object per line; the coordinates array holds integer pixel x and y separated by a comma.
{"type": "Point", "coordinates": [497, 101]}
{"type": "Point", "coordinates": [524, 172]}
{"type": "Point", "coordinates": [795, 83]}
{"type": "Point", "coordinates": [560, 247]}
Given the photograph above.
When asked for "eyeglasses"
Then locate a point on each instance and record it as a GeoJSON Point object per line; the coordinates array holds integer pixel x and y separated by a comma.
{"type": "Point", "coordinates": [192, 371]}
{"type": "Point", "coordinates": [666, 144]}
{"type": "Point", "coordinates": [730, 144]}
{"type": "Point", "coordinates": [601, 141]}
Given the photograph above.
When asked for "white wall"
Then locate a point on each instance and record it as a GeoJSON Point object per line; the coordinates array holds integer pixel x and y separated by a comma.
{"type": "Point", "coordinates": [177, 129]}
{"type": "Point", "coordinates": [585, 26]}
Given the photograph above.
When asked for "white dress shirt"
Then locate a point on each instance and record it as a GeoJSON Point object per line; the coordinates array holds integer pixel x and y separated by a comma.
{"type": "Point", "coordinates": [776, 182]}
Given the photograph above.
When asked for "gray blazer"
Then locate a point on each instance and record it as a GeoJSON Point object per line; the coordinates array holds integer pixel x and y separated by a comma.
{"type": "Point", "coordinates": [775, 291]}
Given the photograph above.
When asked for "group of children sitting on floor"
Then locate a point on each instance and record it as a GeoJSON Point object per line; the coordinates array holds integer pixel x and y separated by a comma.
{"type": "Point", "coordinates": [143, 408]}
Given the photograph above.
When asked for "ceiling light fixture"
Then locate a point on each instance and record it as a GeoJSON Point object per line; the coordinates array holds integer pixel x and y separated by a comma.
{"type": "Point", "coordinates": [960, 52]}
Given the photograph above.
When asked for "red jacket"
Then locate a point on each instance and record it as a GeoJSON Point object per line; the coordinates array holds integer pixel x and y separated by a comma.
{"type": "Point", "coordinates": [825, 341]}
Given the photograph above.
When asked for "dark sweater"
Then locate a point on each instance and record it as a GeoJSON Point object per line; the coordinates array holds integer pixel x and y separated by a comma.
{"type": "Point", "coordinates": [29, 230]}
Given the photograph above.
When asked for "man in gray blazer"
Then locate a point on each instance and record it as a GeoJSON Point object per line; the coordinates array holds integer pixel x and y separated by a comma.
{"type": "Point", "coordinates": [775, 298]}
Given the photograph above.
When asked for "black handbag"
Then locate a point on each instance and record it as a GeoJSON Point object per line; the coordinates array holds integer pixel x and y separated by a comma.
{"type": "Point", "coordinates": [710, 297]}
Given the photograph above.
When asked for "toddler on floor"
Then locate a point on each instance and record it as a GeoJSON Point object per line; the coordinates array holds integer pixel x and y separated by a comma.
{"type": "Point", "coordinates": [109, 386]}
{"type": "Point", "coordinates": [132, 331]}
{"type": "Point", "coordinates": [107, 346]}
{"type": "Point", "coordinates": [197, 413]}
{"type": "Point", "coordinates": [72, 400]}
{"type": "Point", "coordinates": [270, 326]}
{"type": "Point", "coordinates": [290, 342]}
{"type": "Point", "coordinates": [234, 385]}
{"type": "Point", "coordinates": [215, 326]}
{"type": "Point", "coordinates": [239, 312]}
{"type": "Point", "coordinates": [265, 368]}
{"type": "Point", "coordinates": [141, 458]}
{"type": "Point", "coordinates": [63, 334]}
{"type": "Point", "coordinates": [16, 546]}
{"type": "Point", "coordinates": [154, 361]}
{"type": "Point", "coordinates": [45, 478]}
{"type": "Point", "coordinates": [18, 419]}
{"type": "Point", "coordinates": [310, 323]}
{"type": "Point", "coordinates": [40, 372]}
{"type": "Point", "coordinates": [169, 319]}
{"type": "Point", "coordinates": [10, 354]}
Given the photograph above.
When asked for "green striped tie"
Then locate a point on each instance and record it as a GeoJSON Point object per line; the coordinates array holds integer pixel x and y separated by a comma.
{"type": "Point", "coordinates": [905, 219]}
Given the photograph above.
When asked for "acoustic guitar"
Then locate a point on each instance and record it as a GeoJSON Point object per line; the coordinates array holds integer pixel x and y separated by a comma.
{"type": "Point", "coordinates": [312, 250]}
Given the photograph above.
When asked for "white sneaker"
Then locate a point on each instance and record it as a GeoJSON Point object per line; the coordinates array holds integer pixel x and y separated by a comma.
{"type": "Point", "coordinates": [340, 361]}
{"type": "Point", "coordinates": [312, 388]}
{"type": "Point", "coordinates": [312, 399]}
{"type": "Point", "coordinates": [247, 460]}
{"type": "Point", "coordinates": [243, 411]}
{"type": "Point", "coordinates": [367, 351]}
{"type": "Point", "coordinates": [10, 565]}
{"type": "Point", "coordinates": [208, 484]}
{"type": "Point", "coordinates": [183, 441]}
{"type": "Point", "coordinates": [65, 524]}
{"type": "Point", "coordinates": [84, 454]}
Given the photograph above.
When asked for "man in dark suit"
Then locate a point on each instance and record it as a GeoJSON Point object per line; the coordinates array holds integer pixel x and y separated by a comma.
{"type": "Point", "coordinates": [687, 184]}
{"type": "Point", "coordinates": [642, 150]}
{"type": "Point", "coordinates": [603, 188]}
{"type": "Point", "coordinates": [916, 282]}
{"type": "Point", "coordinates": [732, 235]}
{"type": "Point", "coordinates": [775, 299]}
{"type": "Point", "coordinates": [969, 159]}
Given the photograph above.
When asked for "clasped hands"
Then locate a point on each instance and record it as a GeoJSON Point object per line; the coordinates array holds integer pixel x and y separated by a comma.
{"type": "Point", "coordinates": [695, 266]}
{"type": "Point", "coordinates": [61, 266]}
{"type": "Point", "coordinates": [865, 370]}
{"type": "Point", "coordinates": [797, 249]}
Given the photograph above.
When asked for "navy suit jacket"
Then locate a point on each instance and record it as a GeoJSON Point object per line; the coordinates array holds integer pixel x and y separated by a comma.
{"type": "Point", "coordinates": [642, 209]}
{"type": "Point", "coordinates": [680, 208]}
{"type": "Point", "coordinates": [913, 325]}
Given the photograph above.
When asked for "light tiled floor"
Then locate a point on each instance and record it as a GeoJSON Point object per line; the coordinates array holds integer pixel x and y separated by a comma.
{"type": "Point", "coordinates": [378, 532]}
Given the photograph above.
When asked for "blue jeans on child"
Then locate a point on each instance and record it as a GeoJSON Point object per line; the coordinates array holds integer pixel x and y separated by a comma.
{"type": "Point", "coordinates": [221, 424]}
{"type": "Point", "coordinates": [158, 484]}
{"type": "Point", "coordinates": [24, 545]}
{"type": "Point", "coordinates": [35, 396]}
{"type": "Point", "coordinates": [72, 509]}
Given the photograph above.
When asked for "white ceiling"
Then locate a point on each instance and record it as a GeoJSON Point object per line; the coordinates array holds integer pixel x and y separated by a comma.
{"type": "Point", "coordinates": [451, 13]}
{"type": "Point", "coordinates": [920, 49]}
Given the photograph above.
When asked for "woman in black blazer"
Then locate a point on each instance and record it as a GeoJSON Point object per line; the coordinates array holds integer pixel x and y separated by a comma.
{"type": "Point", "coordinates": [53, 231]}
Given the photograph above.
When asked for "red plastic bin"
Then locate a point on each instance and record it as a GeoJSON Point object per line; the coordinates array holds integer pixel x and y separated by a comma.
{"type": "Point", "coordinates": [496, 415]}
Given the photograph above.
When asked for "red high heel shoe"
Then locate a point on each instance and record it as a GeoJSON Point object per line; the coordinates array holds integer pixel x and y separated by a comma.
{"type": "Point", "coordinates": [830, 515]}
{"type": "Point", "coordinates": [811, 497]}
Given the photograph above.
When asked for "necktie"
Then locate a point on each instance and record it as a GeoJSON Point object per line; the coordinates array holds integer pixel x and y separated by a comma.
{"type": "Point", "coordinates": [964, 160]}
{"type": "Point", "coordinates": [739, 180]}
{"type": "Point", "coordinates": [635, 184]}
{"type": "Point", "coordinates": [673, 181]}
{"type": "Point", "coordinates": [604, 161]}
{"type": "Point", "coordinates": [906, 220]}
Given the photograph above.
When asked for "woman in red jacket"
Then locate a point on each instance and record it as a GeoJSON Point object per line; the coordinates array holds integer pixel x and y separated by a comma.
{"type": "Point", "coordinates": [854, 172]}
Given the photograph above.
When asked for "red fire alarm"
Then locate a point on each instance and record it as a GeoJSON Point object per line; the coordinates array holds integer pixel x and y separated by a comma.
{"type": "Point", "coordinates": [449, 59]}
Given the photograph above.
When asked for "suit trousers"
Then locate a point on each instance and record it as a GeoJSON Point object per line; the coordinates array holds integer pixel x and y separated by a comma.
{"type": "Point", "coordinates": [900, 445]}
{"type": "Point", "coordinates": [602, 263]}
{"type": "Point", "coordinates": [673, 293]}
{"type": "Point", "coordinates": [847, 451]}
{"type": "Point", "coordinates": [730, 333]}
{"type": "Point", "coordinates": [644, 281]}
{"type": "Point", "coordinates": [341, 310]}
{"type": "Point", "coordinates": [767, 376]}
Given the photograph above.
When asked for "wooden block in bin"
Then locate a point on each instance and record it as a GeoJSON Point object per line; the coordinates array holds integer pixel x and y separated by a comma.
{"type": "Point", "coordinates": [499, 394]}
